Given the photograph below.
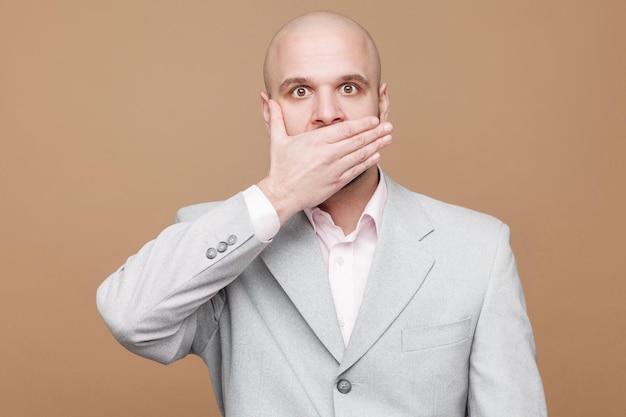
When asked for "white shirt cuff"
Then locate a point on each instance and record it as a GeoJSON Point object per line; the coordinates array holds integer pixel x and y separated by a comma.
{"type": "Point", "coordinates": [263, 216]}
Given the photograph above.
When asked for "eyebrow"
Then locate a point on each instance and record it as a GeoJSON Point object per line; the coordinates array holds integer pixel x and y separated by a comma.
{"type": "Point", "coordinates": [291, 81]}
{"type": "Point", "coordinates": [307, 81]}
{"type": "Point", "coordinates": [355, 77]}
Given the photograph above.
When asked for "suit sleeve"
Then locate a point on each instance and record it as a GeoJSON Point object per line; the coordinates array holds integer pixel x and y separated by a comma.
{"type": "Point", "coordinates": [504, 379]}
{"type": "Point", "coordinates": [151, 303]}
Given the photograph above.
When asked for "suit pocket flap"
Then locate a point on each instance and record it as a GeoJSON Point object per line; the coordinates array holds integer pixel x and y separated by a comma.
{"type": "Point", "coordinates": [418, 338]}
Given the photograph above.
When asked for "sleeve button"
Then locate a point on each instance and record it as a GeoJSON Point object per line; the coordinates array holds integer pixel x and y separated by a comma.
{"type": "Point", "coordinates": [221, 247]}
{"type": "Point", "coordinates": [211, 253]}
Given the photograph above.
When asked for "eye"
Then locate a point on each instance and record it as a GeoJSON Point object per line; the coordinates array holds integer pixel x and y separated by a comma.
{"type": "Point", "coordinates": [299, 92]}
{"type": "Point", "coordinates": [348, 89]}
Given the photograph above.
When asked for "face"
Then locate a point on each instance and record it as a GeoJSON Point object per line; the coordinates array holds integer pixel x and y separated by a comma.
{"type": "Point", "coordinates": [323, 78]}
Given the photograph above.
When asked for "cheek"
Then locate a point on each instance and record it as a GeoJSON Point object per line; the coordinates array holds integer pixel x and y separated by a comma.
{"type": "Point", "coordinates": [355, 109]}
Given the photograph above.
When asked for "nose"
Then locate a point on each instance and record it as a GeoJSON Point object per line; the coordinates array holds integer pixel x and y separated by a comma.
{"type": "Point", "coordinates": [327, 109]}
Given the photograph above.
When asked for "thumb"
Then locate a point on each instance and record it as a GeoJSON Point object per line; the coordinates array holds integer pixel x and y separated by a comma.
{"type": "Point", "coordinates": [277, 123]}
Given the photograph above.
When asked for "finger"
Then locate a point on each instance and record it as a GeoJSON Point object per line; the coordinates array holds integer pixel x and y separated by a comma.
{"type": "Point", "coordinates": [361, 159]}
{"type": "Point", "coordinates": [277, 122]}
{"type": "Point", "coordinates": [356, 170]}
{"type": "Point", "coordinates": [364, 139]}
{"type": "Point", "coordinates": [340, 131]}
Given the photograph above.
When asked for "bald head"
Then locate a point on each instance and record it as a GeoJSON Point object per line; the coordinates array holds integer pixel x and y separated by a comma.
{"type": "Point", "coordinates": [310, 26]}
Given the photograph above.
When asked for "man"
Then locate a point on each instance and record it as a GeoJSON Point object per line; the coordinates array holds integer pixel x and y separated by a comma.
{"type": "Point", "coordinates": [327, 289]}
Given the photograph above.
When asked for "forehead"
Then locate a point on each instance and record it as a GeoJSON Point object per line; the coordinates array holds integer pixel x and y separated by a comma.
{"type": "Point", "coordinates": [321, 55]}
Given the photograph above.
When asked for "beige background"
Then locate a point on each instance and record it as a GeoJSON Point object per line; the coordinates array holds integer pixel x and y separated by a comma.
{"type": "Point", "coordinates": [115, 113]}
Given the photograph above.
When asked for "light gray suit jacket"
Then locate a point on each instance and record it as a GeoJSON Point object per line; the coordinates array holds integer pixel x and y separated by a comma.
{"type": "Point", "coordinates": [442, 330]}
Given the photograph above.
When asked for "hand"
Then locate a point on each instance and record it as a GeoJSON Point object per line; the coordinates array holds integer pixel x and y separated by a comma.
{"type": "Point", "coordinates": [307, 169]}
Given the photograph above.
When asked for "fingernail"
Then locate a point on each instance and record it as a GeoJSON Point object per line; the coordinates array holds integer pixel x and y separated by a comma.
{"type": "Point", "coordinates": [388, 127]}
{"type": "Point", "coordinates": [387, 139]}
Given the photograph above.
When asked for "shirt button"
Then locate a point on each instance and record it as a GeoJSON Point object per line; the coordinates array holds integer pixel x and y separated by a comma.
{"type": "Point", "coordinates": [339, 260]}
{"type": "Point", "coordinates": [342, 323]}
{"type": "Point", "coordinates": [222, 246]}
{"type": "Point", "coordinates": [344, 386]}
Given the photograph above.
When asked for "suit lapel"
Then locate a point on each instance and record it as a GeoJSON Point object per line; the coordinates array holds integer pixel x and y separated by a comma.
{"type": "Point", "coordinates": [295, 259]}
{"type": "Point", "coordinates": [398, 270]}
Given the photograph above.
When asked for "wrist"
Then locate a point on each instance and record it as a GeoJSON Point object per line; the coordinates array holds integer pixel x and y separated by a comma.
{"type": "Point", "coordinates": [280, 198]}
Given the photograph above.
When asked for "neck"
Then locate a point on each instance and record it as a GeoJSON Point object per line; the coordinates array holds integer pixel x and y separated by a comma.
{"type": "Point", "coordinates": [346, 206]}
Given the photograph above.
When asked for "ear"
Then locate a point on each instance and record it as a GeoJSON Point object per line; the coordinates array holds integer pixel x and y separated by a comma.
{"type": "Point", "coordinates": [383, 102]}
{"type": "Point", "coordinates": [265, 109]}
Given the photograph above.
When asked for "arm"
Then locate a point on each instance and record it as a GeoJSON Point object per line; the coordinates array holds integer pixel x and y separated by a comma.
{"type": "Point", "coordinates": [504, 379]}
{"type": "Point", "coordinates": [149, 303]}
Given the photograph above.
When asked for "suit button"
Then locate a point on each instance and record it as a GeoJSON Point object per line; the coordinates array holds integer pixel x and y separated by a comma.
{"type": "Point", "coordinates": [232, 239]}
{"type": "Point", "coordinates": [344, 386]}
{"type": "Point", "coordinates": [221, 247]}
{"type": "Point", "coordinates": [211, 253]}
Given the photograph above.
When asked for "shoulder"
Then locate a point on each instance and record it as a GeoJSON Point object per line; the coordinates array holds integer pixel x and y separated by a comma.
{"type": "Point", "coordinates": [444, 213]}
{"type": "Point", "coordinates": [441, 217]}
{"type": "Point", "coordinates": [234, 207]}
{"type": "Point", "coordinates": [195, 211]}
